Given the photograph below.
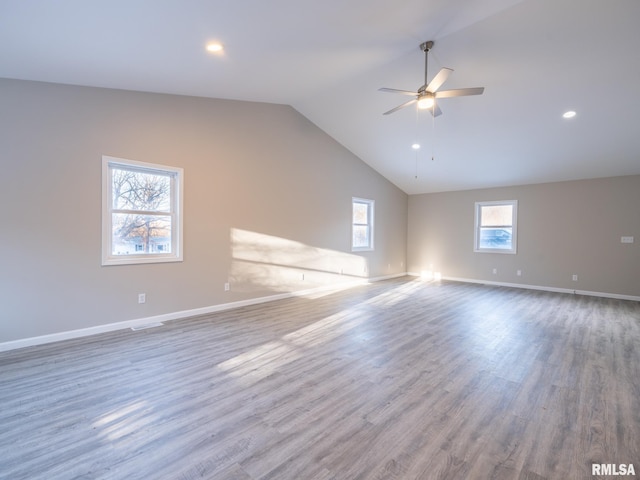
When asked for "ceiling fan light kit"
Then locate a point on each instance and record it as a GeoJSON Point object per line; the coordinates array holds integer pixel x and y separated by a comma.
{"type": "Point", "coordinates": [425, 101]}
{"type": "Point", "coordinates": [427, 94]}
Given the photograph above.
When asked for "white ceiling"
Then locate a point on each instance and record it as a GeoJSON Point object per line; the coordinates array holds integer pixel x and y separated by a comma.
{"type": "Point", "coordinates": [535, 58]}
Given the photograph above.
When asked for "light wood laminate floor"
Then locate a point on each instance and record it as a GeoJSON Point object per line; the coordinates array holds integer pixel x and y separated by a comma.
{"type": "Point", "coordinates": [400, 379]}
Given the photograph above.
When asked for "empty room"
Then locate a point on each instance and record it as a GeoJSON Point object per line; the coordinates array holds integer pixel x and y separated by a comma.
{"type": "Point", "coordinates": [328, 240]}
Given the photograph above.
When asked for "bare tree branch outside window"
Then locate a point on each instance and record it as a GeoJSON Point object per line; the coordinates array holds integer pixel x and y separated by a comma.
{"type": "Point", "coordinates": [141, 212]}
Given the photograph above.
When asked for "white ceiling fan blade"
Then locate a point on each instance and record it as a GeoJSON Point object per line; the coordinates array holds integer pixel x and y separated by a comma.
{"type": "Point", "coordinates": [406, 104]}
{"type": "Point", "coordinates": [393, 90]}
{"type": "Point", "coordinates": [437, 81]}
{"type": "Point", "coordinates": [460, 92]}
{"type": "Point", "coordinates": [435, 110]}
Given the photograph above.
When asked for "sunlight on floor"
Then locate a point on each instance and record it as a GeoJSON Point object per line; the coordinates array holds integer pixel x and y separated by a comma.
{"type": "Point", "coordinates": [261, 361]}
{"type": "Point", "coordinates": [397, 295]}
{"type": "Point", "coordinates": [123, 421]}
{"type": "Point", "coordinates": [349, 324]}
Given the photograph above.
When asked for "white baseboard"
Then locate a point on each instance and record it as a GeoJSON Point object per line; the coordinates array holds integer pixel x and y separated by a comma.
{"type": "Point", "coordinates": [141, 322]}
{"type": "Point", "coordinates": [539, 287]}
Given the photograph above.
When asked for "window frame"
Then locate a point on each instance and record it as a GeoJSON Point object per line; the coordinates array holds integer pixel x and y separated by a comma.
{"type": "Point", "coordinates": [514, 227]}
{"type": "Point", "coordinates": [176, 175]}
{"type": "Point", "coordinates": [370, 224]}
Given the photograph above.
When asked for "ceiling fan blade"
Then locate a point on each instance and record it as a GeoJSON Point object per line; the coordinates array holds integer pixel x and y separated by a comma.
{"type": "Point", "coordinates": [435, 111]}
{"type": "Point", "coordinates": [405, 104]}
{"type": "Point", "coordinates": [460, 92]}
{"type": "Point", "coordinates": [437, 81]}
{"type": "Point", "coordinates": [393, 90]}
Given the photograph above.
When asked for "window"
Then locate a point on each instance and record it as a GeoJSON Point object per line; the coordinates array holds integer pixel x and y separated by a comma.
{"type": "Point", "coordinates": [496, 226]}
{"type": "Point", "coordinates": [141, 212]}
{"type": "Point", "coordinates": [362, 228]}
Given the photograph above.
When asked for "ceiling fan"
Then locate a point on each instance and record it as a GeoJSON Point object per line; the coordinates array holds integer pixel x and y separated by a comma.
{"type": "Point", "coordinates": [427, 94]}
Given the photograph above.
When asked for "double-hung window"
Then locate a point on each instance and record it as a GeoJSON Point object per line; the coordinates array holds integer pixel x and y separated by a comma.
{"type": "Point", "coordinates": [496, 226]}
{"type": "Point", "coordinates": [142, 212]}
{"type": "Point", "coordinates": [362, 227]}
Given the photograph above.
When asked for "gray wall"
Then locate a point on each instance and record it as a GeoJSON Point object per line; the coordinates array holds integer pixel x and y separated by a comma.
{"type": "Point", "coordinates": [267, 199]}
{"type": "Point", "coordinates": [564, 228]}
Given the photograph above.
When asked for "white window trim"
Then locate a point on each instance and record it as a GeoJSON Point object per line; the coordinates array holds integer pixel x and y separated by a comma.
{"type": "Point", "coordinates": [177, 182]}
{"type": "Point", "coordinates": [371, 210]}
{"type": "Point", "coordinates": [514, 228]}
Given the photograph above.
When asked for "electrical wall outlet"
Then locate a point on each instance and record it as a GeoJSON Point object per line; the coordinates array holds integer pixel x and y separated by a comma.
{"type": "Point", "coordinates": [495, 271]}
{"type": "Point", "coordinates": [574, 277]}
{"type": "Point", "coordinates": [626, 239]}
{"type": "Point", "coordinates": [226, 287]}
{"type": "Point", "coordinates": [142, 297]}
{"type": "Point", "coordinates": [519, 273]}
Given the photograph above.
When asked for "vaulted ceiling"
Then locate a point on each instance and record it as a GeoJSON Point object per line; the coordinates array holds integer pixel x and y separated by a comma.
{"type": "Point", "coordinates": [536, 59]}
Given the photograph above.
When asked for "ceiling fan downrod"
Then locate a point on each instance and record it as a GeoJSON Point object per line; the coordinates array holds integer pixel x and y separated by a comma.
{"type": "Point", "coordinates": [425, 47]}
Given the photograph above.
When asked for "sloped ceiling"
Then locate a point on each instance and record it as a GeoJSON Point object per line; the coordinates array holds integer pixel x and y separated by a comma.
{"type": "Point", "coordinates": [535, 58]}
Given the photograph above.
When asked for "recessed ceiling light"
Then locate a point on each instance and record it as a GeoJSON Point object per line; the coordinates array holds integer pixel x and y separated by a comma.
{"type": "Point", "coordinates": [416, 146]}
{"type": "Point", "coordinates": [214, 47]}
{"type": "Point", "coordinates": [569, 114]}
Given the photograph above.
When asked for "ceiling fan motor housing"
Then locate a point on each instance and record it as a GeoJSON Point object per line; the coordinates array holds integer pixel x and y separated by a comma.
{"type": "Point", "coordinates": [426, 46]}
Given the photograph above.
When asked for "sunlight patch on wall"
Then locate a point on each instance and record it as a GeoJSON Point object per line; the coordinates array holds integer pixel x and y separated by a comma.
{"type": "Point", "coordinates": [430, 275]}
{"type": "Point", "coordinates": [267, 262]}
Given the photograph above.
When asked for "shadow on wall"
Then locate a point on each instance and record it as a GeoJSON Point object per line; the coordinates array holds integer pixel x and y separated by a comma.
{"type": "Point", "coordinates": [266, 262]}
